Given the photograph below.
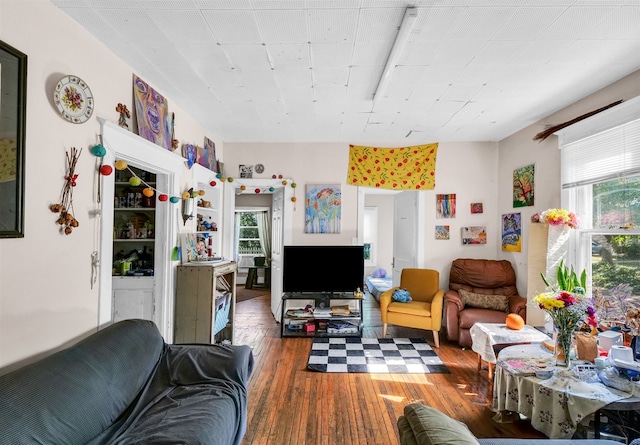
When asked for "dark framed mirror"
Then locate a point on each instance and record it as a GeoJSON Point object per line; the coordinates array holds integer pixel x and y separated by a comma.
{"type": "Point", "coordinates": [13, 113]}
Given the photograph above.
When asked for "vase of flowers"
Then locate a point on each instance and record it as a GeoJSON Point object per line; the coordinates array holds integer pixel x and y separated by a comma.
{"type": "Point", "coordinates": [569, 308]}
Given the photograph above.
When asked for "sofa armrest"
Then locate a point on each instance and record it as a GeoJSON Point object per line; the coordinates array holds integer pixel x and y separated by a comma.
{"type": "Point", "coordinates": [200, 363]}
{"type": "Point", "coordinates": [385, 300]}
{"type": "Point", "coordinates": [454, 306]}
{"type": "Point", "coordinates": [518, 305]}
{"type": "Point", "coordinates": [453, 298]}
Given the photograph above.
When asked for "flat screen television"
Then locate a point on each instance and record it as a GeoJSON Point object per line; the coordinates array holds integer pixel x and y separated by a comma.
{"type": "Point", "coordinates": [322, 269]}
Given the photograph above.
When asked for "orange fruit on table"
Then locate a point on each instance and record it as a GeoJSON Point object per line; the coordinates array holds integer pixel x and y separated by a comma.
{"type": "Point", "coordinates": [514, 321]}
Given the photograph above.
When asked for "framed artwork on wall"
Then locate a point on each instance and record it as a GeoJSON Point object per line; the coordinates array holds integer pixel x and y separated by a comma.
{"type": "Point", "coordinates": [474, 235]}
{"type": "Point", "coordinates": [524, 186]}
{"type": "Point", "coordinates": [511, 232]}
{"type": "Point", "coordinates": [207, 155]}
{"type": "Point", "coordinates": [476, 207]}
{"type": "Point", "coordinates": [323, 206]}
{"type": "Point", "coordinates": [446, 206]}
{"type": "Point", "coordinates": [13, 101]}
{"type": "Point", "coordinates": [245, 171]}
{"type": "Point", "coordinates": [442, 232]}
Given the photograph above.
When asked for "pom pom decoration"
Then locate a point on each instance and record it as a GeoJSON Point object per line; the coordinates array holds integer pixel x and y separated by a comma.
{"type": "Point", "coordinates": [186, 195]}
{"type": "Point", "coordinates": [271, 189]}
{"type": "Point", "coordinates": [284, 182]}
{"type": "Point", "coordinates": [294, 199]}
{"type": "Point", "coordinates": [148, 192]}
{"type": "Point", "coordinates": [213, 183]}
{"type": "Point", "coordinates": [120, 164]}
{"type": "Point", "coordinates": [230, 179]}
{"type": "Point", "coordinates": [106, 170]}
{"type": "Point", "coordinates": [200, 192]}
{"type": "Point", "coordinates": [135, 181]}
{"type": "Point", "coordinates": [98, 151]}
{"type": "Point", "coordinates": [293, 185]}
{"type": "Point", "coordinates": [257, 190]}
{"type": "Point", "coordinates": [243, 187]}
{"type": "Point", "coordinates": [174, 199]}
{"type": "Point", "coordinates": [273, 176]}
{"type": "Point", "coordinates": [162, 197]}
{"type": "Point", "coordinates": [219, 175]}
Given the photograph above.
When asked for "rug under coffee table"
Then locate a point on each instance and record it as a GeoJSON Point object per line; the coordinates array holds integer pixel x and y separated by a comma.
{"type": "Point", "coordinates": [487, 337]}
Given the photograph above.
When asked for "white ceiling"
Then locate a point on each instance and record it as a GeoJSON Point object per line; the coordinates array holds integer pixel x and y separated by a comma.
{"type": "Point", "coordinates": [306, 70]}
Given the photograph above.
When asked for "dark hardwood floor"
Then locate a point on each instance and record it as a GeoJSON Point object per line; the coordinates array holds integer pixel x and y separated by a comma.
{"type": "Point", "coordinates": [290, 405]}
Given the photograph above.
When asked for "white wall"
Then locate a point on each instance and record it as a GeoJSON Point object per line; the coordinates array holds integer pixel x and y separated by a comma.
{"type": "Point", "coordinates": [46, 299]}
{"type": "Point", "coordinates": [468, 169]}
{"type": "Point", "coordinates": [520, 149]}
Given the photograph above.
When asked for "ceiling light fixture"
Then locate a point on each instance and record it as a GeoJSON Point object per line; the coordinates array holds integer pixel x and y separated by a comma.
{"type": "Point", "coordinates": [408, 21]}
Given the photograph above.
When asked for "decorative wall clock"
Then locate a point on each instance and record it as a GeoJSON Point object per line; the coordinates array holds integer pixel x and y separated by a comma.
{"type": "Point", "coordinates": [74, 99]}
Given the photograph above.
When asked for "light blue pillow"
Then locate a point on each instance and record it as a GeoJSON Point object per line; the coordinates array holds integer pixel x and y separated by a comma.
{"type": "Point", "coordinates": [401, 296]}
{"type": "Point", "coordinates": [379, 273]}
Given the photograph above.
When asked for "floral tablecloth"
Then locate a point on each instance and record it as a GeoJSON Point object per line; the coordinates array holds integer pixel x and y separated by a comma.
{"type": "Point", "coordinates": [556, 405]}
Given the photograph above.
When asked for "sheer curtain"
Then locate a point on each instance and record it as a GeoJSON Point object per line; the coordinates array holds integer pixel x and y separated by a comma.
{"type": "Point", "coordinates": [236, 237]}
{"type": "Point", "coordinates": [264, 233]}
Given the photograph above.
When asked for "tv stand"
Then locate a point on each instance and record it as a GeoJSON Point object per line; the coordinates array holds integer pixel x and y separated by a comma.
{"type": "Point", "coordinates": [321, 314]}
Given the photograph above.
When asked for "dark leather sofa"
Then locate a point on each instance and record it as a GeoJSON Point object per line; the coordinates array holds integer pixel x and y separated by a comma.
{"type": "Point", "coordinates": [125, 385]}
{"type": "Point", "coordinates": [488, 277]}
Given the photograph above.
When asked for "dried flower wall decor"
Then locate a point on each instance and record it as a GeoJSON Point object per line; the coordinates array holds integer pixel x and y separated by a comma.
{"type": "Point", "coordinates": [65, 207]}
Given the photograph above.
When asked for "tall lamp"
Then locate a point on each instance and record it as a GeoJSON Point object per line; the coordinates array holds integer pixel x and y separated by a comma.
{"type": "Point", "coordinates": [408, 21]}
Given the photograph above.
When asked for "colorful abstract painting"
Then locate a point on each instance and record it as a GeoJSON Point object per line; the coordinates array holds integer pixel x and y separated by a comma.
{"type": "Point", "coordinates": [511, 232]}
{"type": "Point", "coordinates": [207, 155]}
{"type": "Point", "coordinates": [446, 206]}
{"type": "Point", "coordinates": [152, 114]}
{"type": "Point", "coordinates": [523, 186]}
{"type": "Point", "coordinates": [442, 232]}
{"type": "Point", "coordinates": [474, 235]}
{"type": "Point", "coordinates": [476, 207]}
{"type": "Point", "coordinates": [322, 208]}
{"type": "Point", "coordinates": [189, 152]}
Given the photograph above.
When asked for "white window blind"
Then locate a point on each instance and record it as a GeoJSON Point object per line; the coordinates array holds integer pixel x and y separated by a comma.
{"type": "Point", "coordinates": [607, 155]}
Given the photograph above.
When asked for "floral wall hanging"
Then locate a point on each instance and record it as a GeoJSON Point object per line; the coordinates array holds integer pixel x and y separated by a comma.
{"type": "Point", "coordinates": [66, 220]}
{"type": "Point", "coordinates": [404, 168]}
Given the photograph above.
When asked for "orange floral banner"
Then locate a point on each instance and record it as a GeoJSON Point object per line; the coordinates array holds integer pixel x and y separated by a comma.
{"type": "Point", "coordinates": [404, 168]}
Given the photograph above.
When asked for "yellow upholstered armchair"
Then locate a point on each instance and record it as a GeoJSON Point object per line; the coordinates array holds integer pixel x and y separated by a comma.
{"type": "Point", "coordinates": [424, 311]}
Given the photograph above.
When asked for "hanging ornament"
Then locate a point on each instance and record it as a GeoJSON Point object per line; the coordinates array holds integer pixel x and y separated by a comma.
{"type": "Point", "coordinates": [271, 189]}
{"type": "Point", "coordinates": [135, 181]}
{"type": "Point", "coordinates": [279, 176]}
{"type": "Point", "coordinates": [284, 182]}
{"type": "Point", "coordinates": [194, 193]}
{"type": "Point", "coordinates": [201, 192]}
{"type": "Point", "coordinates": [148, 192]}
{"type": "Point", "coordinates": [257, 190]}
{"type": "Point", "coordinates": [186, 195]}
{"type": "Point", "coordinates": [106, 170]}
{"type": "Point", "coordinates": [162, 197]}
{"type": "Point", "coordinates": [121, 165]}
{"type": "Point", "coordinates": [294, 199]}
{"type": "Point", "coordinates": [273, 176]}
{"type": "Point", "coordinates": [230, 179]}
{"type": "Point", "coordinates": [219, 175]}
{"type": "Point", "coordinates": [293, 185]}
{"type": "Point", "coordinates": [213, 183]}
{"type": "Point", "coordinates": [243, 187]}
{"type": "Point", "coordinates": [174, 199]}
{"type": "Point", "coordinates": [98, 151]}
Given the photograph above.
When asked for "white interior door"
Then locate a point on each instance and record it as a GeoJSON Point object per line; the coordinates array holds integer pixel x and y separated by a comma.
{"type": "Point", "coordinates": [277, 212]}
{"type": "Point", "coordinates": [405, 233]}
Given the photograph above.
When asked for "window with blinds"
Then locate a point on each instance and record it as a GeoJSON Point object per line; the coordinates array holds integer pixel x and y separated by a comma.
{"type": "Point", "coordinates": [601, 183]}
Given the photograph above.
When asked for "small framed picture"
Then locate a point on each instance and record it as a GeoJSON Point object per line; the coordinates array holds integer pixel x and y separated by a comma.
{"type": "Point", "coordinates": [246, 171]}
{"type": "Point", "coordinates": [476, 207]}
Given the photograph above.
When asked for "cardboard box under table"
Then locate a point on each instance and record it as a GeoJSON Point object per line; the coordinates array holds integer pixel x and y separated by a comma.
{"type": "Point", "coordinates": [488, 337]}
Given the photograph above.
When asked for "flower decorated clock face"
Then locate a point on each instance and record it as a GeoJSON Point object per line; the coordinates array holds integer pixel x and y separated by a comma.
{"type": "Point", "coordinates": [74, 99]}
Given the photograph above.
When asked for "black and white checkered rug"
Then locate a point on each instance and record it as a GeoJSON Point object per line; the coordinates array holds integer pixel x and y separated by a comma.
{"type": "Point", "coordinates": [374, 355]}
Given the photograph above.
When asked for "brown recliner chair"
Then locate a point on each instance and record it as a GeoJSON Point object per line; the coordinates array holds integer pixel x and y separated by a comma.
{"type": "Point", "coordinates": [487, 277]}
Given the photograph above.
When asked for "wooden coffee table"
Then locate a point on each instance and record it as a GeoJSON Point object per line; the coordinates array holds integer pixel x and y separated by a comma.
{"type": "Point", "coordinates": [487, 338]}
